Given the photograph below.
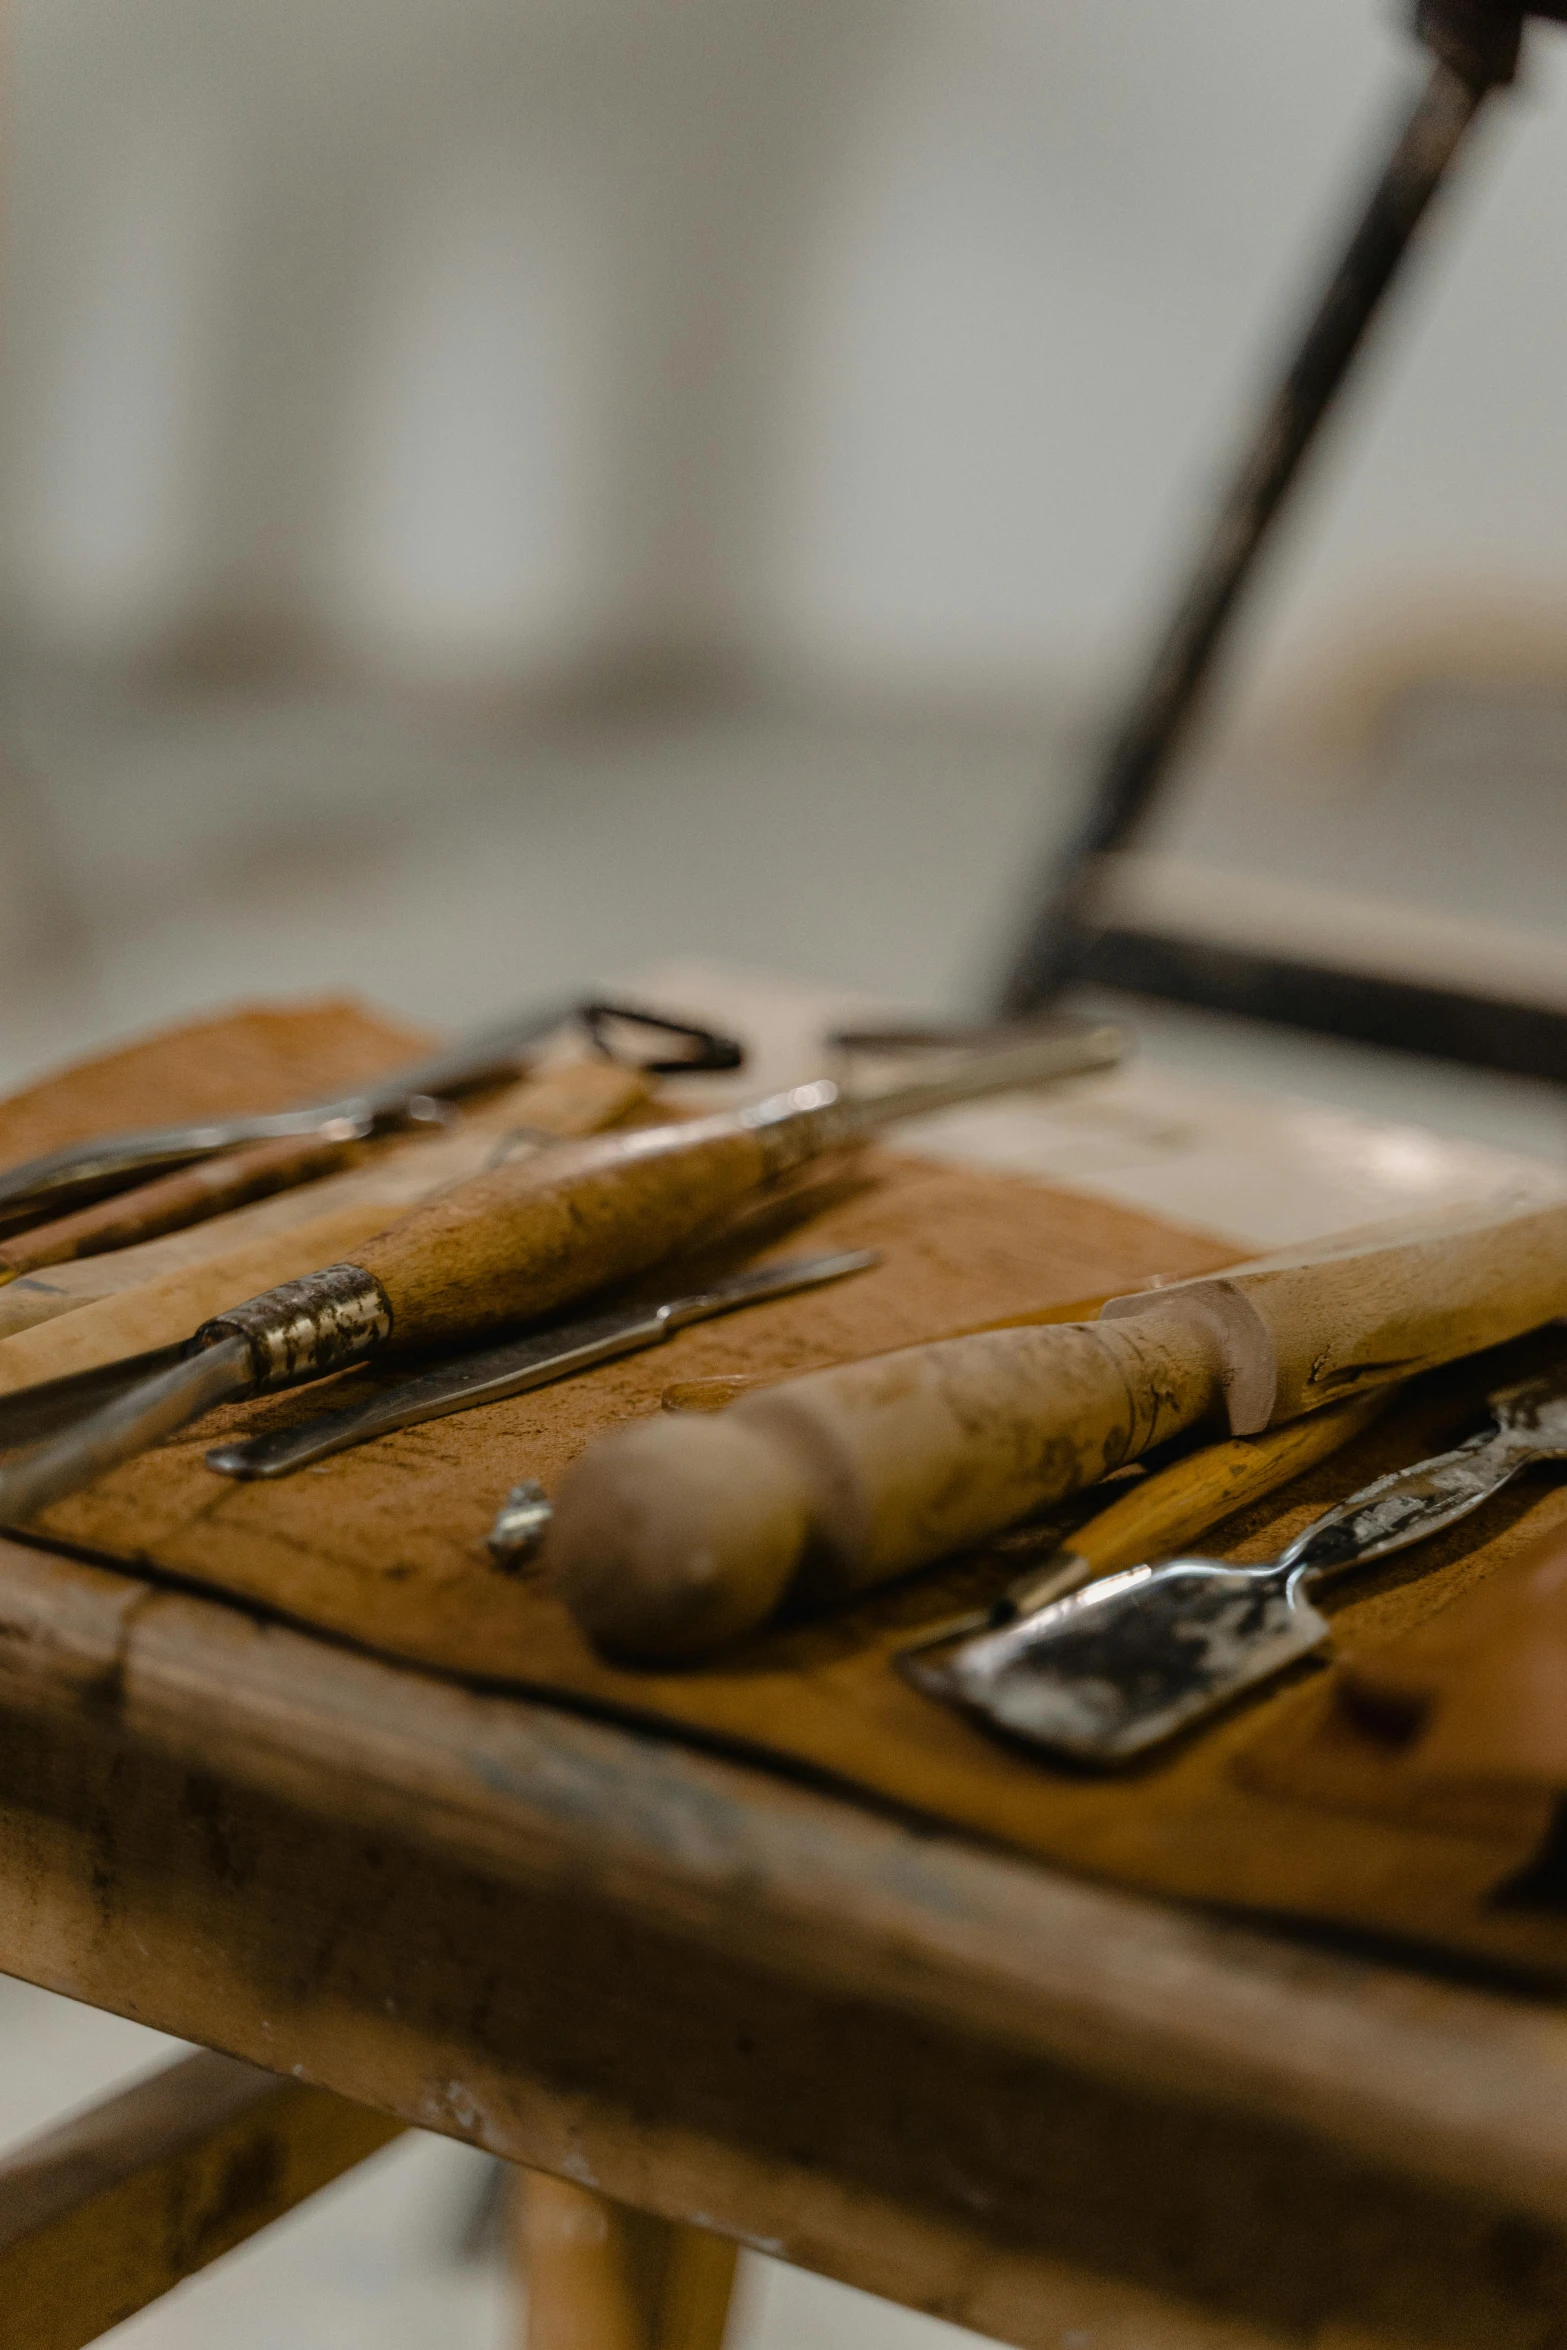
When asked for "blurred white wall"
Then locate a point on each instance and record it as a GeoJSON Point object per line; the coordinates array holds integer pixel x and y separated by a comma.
{"type": "Point", "coordinates": [879, 337]}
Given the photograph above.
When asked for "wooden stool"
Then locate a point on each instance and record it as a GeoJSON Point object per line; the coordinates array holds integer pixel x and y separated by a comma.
{"type": "Point", "coordinates": [111, 2210]}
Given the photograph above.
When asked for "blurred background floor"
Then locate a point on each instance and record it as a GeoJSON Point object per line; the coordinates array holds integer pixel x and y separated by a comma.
{"type": "Point", "coordinates": [456, 859]}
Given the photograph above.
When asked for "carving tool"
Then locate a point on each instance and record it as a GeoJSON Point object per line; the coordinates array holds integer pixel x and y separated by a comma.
{"type": "Point", "coordinates": [87, 1170]}
{"type": "Point", "coordinates": [273, 1235]}
{"type": "Point", "coordinates": [1156, 1514]}
{"type": "Point", "coordinates": [684, 1531]}
{"type": "Point", "coordinates": [535, 1361]}
{"type": "Point", "coordinates": [1110, 1671]}
{"type": "Point", "coordinates": [512, 1245]}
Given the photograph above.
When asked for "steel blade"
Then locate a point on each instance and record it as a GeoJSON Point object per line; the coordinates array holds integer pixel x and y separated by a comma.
{"type": "Point", "coordinates": [1109, 1672]}
{"type": "Point", "coordinates": [133, 1421]}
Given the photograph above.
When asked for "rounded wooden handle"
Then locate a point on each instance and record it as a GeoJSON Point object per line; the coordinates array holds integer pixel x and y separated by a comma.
{"type": "Point", "coordinates": [676, 1535]}
{"type": "Point", "coordinates": [525, 1238]}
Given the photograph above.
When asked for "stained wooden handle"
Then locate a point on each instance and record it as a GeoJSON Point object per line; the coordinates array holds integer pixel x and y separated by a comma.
{"type": "Point", "coordinates": [176, 1201]}
{"type": "Point", "coordinates": [523, 1239]}
{"type": "Point", "coordinates": [674, 1536]}
{"type": "Point", "coordinates": [680, 1533]}
{"type": "Point", "coordinates": [1160, 1515]}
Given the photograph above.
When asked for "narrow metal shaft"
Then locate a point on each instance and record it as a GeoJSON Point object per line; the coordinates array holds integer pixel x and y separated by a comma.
{"type": "Point", "coordinates": [1166, 701]}
{"type": "Point", "coordinates": [1032, 1056]}
{"type": "Point", "coordinates": [142, 1416]}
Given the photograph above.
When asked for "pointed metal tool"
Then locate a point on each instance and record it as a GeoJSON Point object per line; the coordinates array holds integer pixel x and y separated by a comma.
{"type": "Point", "coordinates": [512, 1245]}
{"type": "Point", "coordinates": [418, 1094]}
{"type": "Point", "coordinates": [1110, 1671]}
{"type": "Point", "coordinates": [535, 1361]}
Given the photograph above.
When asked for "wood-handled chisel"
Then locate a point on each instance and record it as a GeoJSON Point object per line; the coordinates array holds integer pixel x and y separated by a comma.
{"type": "Point", "coordinates": [514, 1244]}
{"type": "Point", "coordinates": [1110, 1671]}
{"type": "Point", "coordinates": [543, 1356]}
{"type": "Point", "coordinates": [677, 1534]}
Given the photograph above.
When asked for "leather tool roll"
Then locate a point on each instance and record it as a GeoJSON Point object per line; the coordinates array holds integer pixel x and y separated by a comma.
{"type": "Point", "coordinates": [1480, 1692]}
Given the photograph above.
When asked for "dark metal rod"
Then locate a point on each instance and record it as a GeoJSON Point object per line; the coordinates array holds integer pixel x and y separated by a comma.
{"type": "Point", "coordinates": [1166, 701]}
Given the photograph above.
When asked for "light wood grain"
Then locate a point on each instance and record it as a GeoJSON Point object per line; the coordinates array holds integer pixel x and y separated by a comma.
{"type": "Point", "coordinates": [1310, 1326]}
{"type": "Point", "coordinates": [677, 1536]}
{"type": "Point", "coordinates": [107, 2212]}
{"type": "Point", "coordinates": [523, 1239]}
{"type": "Point", "coordinates": [598, 2276]}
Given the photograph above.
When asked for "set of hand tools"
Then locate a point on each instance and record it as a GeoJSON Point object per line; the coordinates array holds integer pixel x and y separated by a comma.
{"type": "Point", "coordinates": [672, 1536]}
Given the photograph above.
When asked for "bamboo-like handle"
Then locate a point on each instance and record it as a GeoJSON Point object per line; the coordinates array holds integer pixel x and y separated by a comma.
{"type": "Point", "coordinates": [176, 1201]}
{"type": "Point", "coordinates": [680, 1533]}
{"type": "Point", "coordinates": [524, 1239]}
{"type": "Point", "coordinates": [1160, 1515]}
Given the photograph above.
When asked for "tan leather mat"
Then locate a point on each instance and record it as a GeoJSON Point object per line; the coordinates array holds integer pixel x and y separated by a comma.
{"type": "Point", "coordinates": [1262, 1810]}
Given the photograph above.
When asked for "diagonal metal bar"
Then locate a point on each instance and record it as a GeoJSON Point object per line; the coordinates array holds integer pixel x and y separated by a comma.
{"type": "Point", "coordinates": [1172, 690]}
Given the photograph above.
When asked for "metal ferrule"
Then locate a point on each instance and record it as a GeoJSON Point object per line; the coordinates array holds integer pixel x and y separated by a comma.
{"type": "Point", "coordinates": [305, 1328]}
{"type": "Point", "coordinates": [795, 1127]}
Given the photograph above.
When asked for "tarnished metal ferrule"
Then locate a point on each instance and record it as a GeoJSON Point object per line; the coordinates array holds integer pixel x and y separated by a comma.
{"type": "Point", "coordinates": [305, 1328]}
{"type": "Point", "coordinates": [795, 1127]}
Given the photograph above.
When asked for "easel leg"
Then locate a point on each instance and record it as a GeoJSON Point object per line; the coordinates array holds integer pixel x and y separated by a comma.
{"type": "Point", "coordinates": [599, 2277]}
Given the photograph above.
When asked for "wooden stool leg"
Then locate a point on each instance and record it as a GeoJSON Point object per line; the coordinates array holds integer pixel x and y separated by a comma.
{"type": "Point", "coordinates": [600, 2277]}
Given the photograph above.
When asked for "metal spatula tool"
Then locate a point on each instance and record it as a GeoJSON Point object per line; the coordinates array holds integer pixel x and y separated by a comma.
{"type": "Point", "coordinates": [1112, 1670]}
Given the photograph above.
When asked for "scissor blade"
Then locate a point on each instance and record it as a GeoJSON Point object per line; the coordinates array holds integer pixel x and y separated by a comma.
{"type": "Point", "coordinates": [523, 1363]}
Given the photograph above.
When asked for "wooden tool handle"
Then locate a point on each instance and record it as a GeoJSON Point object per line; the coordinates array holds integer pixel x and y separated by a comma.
{"type": "Point", "coordinates": [680, 1533]}
{"type": "Point", "coordinates": [526, 1238]}
{"type": "Point", "coordinates": [175, 1201]}
{"type": "Point", "coordinates": [1305, 1329]}
{"type": "Point", "coordinates": [180, 1290]}
{"type": "Point", "coordinates": [1160, 1515]}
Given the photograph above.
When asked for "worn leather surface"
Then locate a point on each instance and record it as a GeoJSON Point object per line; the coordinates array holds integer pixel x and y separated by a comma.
{"type": "Point", "coordinates": [1289, 1806]}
